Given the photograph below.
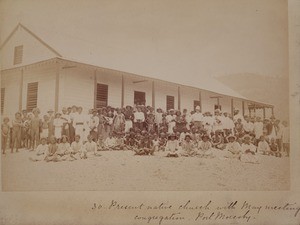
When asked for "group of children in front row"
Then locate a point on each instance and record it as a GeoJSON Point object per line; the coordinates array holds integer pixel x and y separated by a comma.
{"type": "Point", "coordinates": [186, 145]}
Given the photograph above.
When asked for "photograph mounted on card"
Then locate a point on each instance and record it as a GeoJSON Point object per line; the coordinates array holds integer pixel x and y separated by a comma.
{"type": "Point", "coordinates": [146, 97]}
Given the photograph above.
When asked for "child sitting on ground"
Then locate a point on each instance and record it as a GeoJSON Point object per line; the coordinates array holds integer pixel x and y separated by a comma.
{"type": "Point", "coordinates": [263, 146]}
{"type": "Point", "coordinates": [248, 151]}
{"type": "Point", "coordinates": [155, 143]}
{"type": "Point", "coordinates": [110, 142]}
{"type": "Point", "coordinates": [172, 146]}
{"type": "Point", "coordinates": [188, 147]}
{"type": "Point", "coordinates": [41, 150]}
{"type": "Point", "coordinates": [76, 148]}
{"type": "Point", "coordinates": [205, 147]}
{"type": "Point", "coordinates": [89, 148]}
{"type": "Point", "coordinates": [63, 149]}
{"type": "Point", "coordinates": [162, 141]}
{"type": "Point", "coordinates": [233, 148]}
{"type": "Point", "coordinates": [51, 154]}
{"type": "Point", "coordinates": [144, 147]}
{"type": "Point", "coordinates": [119, 142]}
{"type": "Point", "coordinates": [218, 140]}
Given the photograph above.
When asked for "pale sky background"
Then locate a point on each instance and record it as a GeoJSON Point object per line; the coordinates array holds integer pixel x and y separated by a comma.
{"type": "Point", "coordinates": [192, 38]}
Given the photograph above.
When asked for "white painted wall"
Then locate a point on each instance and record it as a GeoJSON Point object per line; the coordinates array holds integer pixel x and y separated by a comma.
{"type": "Point", "coordinates": [114, 82]}
{"type": "Point", "coordinates": [77, 88]}
{"type": "Point", "coordinates": [188, 95]}
{"type": "Point", "coordinates": [162, 89]}
{"type": "Point", "coordinates": [33, 50]}
{"type": "Point", "coordinates": [10, 80]}
{"type": "Point", "coordinates": [131, 86]}
{"type": "Point", "coordinates": [45, 76]}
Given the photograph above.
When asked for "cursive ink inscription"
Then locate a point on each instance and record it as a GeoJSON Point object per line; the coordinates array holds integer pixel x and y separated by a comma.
{"type": "Point", "coordinates": [197, 211]}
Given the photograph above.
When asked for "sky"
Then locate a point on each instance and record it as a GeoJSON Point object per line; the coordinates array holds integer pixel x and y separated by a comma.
{"type": "Point", "coordinates": [188, 38]}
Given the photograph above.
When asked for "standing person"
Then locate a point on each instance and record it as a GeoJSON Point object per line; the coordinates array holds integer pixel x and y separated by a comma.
{"type": "Point", "coordinates": [197, 118]}
{"type": "Point", "coordinates": [93, 124]}
{"type": "Point", "coordinates": [187, 117]}
{"type": "Point", "coordinates": [248, 126]}
{"type": "Point", "coordinates": [23, 129]}
{"type": "Point", "coordinates": [128, 118]}
{"type": "Point", "coordinates": [286, 138]}
{"type": "Point", "coordinates": [58, 125]}
{"type": "Point", "coordinates": [139, 119]}
{"type": "Point", "coordinates": [171, 121]}
{"type": "Point", "coordinates": [16, 132]}
{"type": "Point", "coordinates": [237, 115]}
{"type": "Point", "coordinates": [228, 125]}
{"type": "Point", "coordinates": [150, 120]}
{"type": "Point", "coordinates": [5, 129]}
{"type": "Point", "coordinates": [258, 129]}
{"type": "Point", "coordinates": [66, 122]}
{"type": "Point", "coordinates": [79, 123]}
{"type": "Point", "coordinates": [72, 114]}
{"type": "Point", "coordinates": [36, 123]}
{"type": "Point", "coordinates": [119, 122]}
{"type": "Point", "coordinates": [158, 119]}
{"type": "Point", "coordinates": [278, 131]}
{"type": "Point", "coordinates": [180, 122]}
{"type": "Point", "coordinates": [51, 126]}
{"type": "Point", "coordinates": [45, 127]}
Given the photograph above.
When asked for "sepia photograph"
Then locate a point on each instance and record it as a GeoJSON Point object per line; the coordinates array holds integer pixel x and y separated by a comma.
{"type": "Point", "coordinates": [145, 96]}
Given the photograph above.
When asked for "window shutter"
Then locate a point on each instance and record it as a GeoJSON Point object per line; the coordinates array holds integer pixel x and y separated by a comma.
{"type": "Point", "coordinates": [18, 55]}
{"type": "Point", "coordinates": [2, 99]}
{"type": "Point", "coordinates": [32, 95]}
{"type": "Point", "coordinates": [170, 102]}
{"type": "Point", "coordinates": [102, 95]}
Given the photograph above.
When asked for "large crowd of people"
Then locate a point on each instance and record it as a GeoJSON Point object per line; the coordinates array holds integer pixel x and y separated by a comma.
{"type": "Point", "coordinates": [73, 135]}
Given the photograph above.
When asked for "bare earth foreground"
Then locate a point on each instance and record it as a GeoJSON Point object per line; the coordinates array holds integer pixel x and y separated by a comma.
{"type": "Point", "coordinates": [121, 170]}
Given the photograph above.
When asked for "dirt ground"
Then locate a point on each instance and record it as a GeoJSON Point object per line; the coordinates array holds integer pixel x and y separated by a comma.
{"type": "Point", "coordinates": [122, 171]}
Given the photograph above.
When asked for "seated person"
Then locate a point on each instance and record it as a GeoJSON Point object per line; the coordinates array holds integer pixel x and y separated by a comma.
{"type": "Point", "coordinates": [40, 151]}
{"type": "Point", "coordinates": [248, 151]}
{"type": "Point", "coordinates": [110, 142]}
{"type": "Point", "coordinates": [172, 146]}
{"type": "Point", "coordinates": [51, 155]}
{"type": "Point", "coordinates": [263, 146]}
{"type": "Point", "coordinates": [89, 148]}
{"type": "Point", "coordinates": [218, 140]}
{"type": "Point", "coordinates": [188, 148]}
{"type": "Point", "coordinates": [76, 148]}
{"type": "Point", "coordinates": [205, 147]}
{"type": "Point", "coordinates": [162, 141]}
{"type": "Point", "coordinates": [274, 150]}
{"type": "Point", "coordinates": [63, 149]}
{"type": "Point", "coordinates": [119, 142]}
{"type": "Point", "coordinates": [233, 148]}
{"type": "Point", "coordinates": [155, 143]}
{"type": "Point", "coordinates": [144, 146]}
